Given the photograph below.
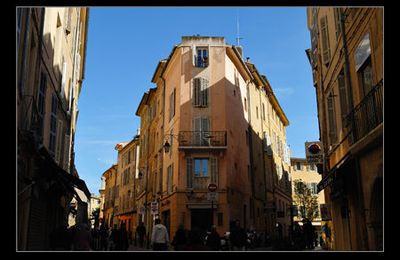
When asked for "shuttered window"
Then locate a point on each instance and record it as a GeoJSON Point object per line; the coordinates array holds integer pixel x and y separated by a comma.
{"type": "Point", "coordinates": [66, 153]}
{"type": "Point", "coordinates": [201, 128]}
{"type": "Point", "coordinates": [326, 54]}
{"type": "Point", "coordinates": [169, 178]}
{"type": "Point", "coordinates": [41, 103]}
{"type": "Point", "coordinates": [172, 105]}
{"type": "Point", "coordinates": [189, 170]}
{"type": "Point", "coordinates": [53, 125]}
{"type": "Point", "coordinates": [336, 11]}
{"type": "Point", "coordinates": [343, 94]}
{"type": "Point", "coordinates": [331, 118]}
{"type": "Point", "coordinates": [59, 141]}
{"type": "Point", "coordinates": [200, 92]}
{"type": "Point", "coordinates": [214, 170]}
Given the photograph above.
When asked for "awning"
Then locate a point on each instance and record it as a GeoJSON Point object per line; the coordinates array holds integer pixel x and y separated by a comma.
{"type": "Point", "coordinates": [331, 176]}
{"type": "Point", "coordinates": [67, 180]}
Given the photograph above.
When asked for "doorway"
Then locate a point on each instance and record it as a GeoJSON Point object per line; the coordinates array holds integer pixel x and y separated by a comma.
{"type": "Point", "coordinates": [200, 218]}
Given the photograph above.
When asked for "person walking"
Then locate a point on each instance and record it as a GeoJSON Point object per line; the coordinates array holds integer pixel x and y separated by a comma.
{"type": "Point", "coordinates": [159, 236]}
{"type": "Point", "coordinates": [214, 240]}
{"type": "Point", "coordinates": [82, 239]}
{"type": "Point", "coordinates": [180, 240]}
{"type": "Point", "coordinates": [141, 232]}
{"type": "Point", "coordinates": [238, 237]}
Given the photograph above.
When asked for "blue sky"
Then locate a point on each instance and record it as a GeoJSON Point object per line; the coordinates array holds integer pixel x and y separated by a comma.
{"type": "Point", "coordinates": [126, 43]}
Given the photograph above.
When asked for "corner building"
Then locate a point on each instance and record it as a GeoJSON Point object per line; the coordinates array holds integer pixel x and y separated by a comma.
{"type": "Point", "coordinates": [200, 107]}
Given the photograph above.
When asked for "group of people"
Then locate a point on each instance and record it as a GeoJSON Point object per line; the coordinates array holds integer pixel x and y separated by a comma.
{"type": "Point", "coordinates": [305, 236]}
{"type": "Point", "coordinates": [84, 238]}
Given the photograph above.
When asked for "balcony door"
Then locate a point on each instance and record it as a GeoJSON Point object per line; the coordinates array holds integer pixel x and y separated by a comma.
{"type": "Point", "coordinates": [201, 128]}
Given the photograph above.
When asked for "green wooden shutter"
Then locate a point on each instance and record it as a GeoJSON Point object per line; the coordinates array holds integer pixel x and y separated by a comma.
{"type": "Point", "coordinates": [189, 171]}
{"type": "Point", "coordinates": [214, 170]}
{"type": "Point", "coordinates": [325, 40]}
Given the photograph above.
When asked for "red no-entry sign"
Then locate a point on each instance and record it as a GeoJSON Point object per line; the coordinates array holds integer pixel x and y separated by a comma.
{"type": "Point", "coordinates": [212, 187]}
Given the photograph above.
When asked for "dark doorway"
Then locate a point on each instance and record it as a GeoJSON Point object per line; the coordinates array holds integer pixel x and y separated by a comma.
{"type": "Point", "coordinates": [166, 220]}
{"type": "Point", "coordinates": [376, 211]}
{"type": "Point", "coordinates": [201, 218]}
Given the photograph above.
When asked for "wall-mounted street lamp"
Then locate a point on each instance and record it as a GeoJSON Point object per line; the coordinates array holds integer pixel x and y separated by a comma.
{"type": "Point", "coordinates": [167, 145]}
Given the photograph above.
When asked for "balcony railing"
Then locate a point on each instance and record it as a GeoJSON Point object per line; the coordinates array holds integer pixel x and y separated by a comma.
{"type": "Point", "coordinates": [202, 138]}
{"type": "Point", "coordinates": [367, 115]}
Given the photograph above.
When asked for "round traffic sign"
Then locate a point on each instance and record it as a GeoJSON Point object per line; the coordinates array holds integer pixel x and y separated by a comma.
{"type": "Point", "coordinates": [212, 187]}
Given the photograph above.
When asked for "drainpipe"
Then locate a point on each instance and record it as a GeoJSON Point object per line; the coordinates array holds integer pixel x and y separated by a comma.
{"type": "Point", "coordinates": [346, 66]}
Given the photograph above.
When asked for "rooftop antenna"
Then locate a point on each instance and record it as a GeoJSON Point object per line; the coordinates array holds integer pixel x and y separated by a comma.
{"type": "Point", "coordinates": [237, 29]}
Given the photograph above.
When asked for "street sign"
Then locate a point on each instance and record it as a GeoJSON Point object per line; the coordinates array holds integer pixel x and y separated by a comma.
{"type": "Point", "coordinates": [212, 187]}
{"type": "Point", "coordinates": [212, 196]}
{"type": "Point", "coordinates": [154, 207]}
{"type": "Point", "coordinates": [314, 152]}
{"type": "Point", "coordinates": [141, 209]}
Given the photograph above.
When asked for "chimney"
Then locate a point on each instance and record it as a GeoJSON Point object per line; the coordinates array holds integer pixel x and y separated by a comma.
{"type": "Point", "coordinates": [247, 59]}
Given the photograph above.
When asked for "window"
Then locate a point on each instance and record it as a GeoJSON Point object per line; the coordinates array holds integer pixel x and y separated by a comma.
{"type": "Point", "coordinates": [201, 128]}
{"type": "Point", "coordinates": [201, 57]}
{"type": "Point", "coordinates": [313, 187]}
{"type": "Point", "coordinates": [59, 141]}
{"type": "Point", "coordinates": [365, 77]}
{"type": "Point", "coordinates": [263, 111]}
{"type": "Point", "coordinates": [245, 104]}
{"type": "Point", "coordinates": [332, 118]}
{"type": "Point", "coordinates": [169, 178]}
{"type": "Point", "coordinates": [171, 140]}
{"type": "Point", "coordinates": [200, 92]}
{"type": "Point", "coordinates": [41, 103]}
{"type": "Point", "coordinates": [326, 55]}
{"type": "Point", "coordinates": [53, 125]}
{"type": "Point", "coordinates": [160, 183]}
{"type": "Point", "coordinates": [172, 105]}
{"type": "Point", "coordinates": [343, 95]}
{"type": "Point", "coordinates": [189, 170]}
{"type": "Point", "coordinates": [312, 167]}
{"type": "Point", "coordinates": [336, 11]}
{"type": "Point", "coordinates": [201, 167]}
{"type": "Point", "coordinates": [66, 153]}
{"type": "Point", "coordinates": [257, 112]}
{"type": "Point", "coordinates": [298, 166]}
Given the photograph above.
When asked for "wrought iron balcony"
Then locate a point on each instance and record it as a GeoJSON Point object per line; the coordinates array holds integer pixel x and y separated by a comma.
{"type": "Point", "coordinates": [202, 139]}
{"type": "Point", "coordinates": [367, 115]}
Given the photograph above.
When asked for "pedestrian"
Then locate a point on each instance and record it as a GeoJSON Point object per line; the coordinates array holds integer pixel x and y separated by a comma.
{"type": "Point", "coordinates": [123, 238]}
{"type": "Point", "coordinates": [104, 237]}
{"type": "Point", "coordinates": [180, 240]}
{"type": "Point", "coordinates": [82, 238]}
{"type": "Point", "coordinates": [159, 236]}
{"type": "Point", "coordinates": [238, 237]}
{"type": "Point", "coordinates": [214, 240]}
{"type": "Point", "coordinates": [59, 239]}
{"type": "Point", "coordinates": [195, 242]}
{"type": "Point", "coordinates": [141, 232]}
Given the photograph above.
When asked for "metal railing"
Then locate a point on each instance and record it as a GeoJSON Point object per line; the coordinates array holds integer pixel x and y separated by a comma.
{"type": "Point", "coordinates": [202, 138]}
{"type": "Point", "coordinates": [367, 115]}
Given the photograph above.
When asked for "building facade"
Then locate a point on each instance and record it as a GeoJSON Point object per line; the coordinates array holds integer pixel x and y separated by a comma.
{"type": "Point", "coordinates": [50, 53]}
{"type": "Point", "coordinates": [307, 172]}
{"type": "Point", "coordinates": [126, 177]}
{"type": "Point", "coordinates": [195, 130]}
{"type": "Point", "coordinates": [347, 60]}
{"type": "Point", "coordinates": [110, 195]}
